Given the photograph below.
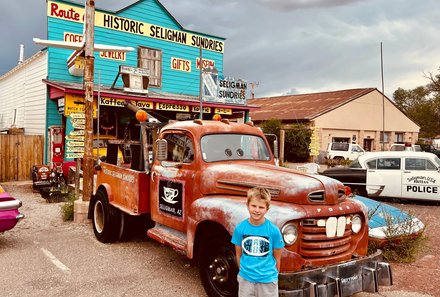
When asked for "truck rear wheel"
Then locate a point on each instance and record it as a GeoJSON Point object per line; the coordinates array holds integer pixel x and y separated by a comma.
{"type": "Point", "coordinates": [218, 267]}
{"type": "Point", "coordinates": [106, 220]}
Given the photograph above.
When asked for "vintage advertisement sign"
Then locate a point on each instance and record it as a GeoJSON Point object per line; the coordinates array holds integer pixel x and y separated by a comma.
{"type": "Point", "coordinates": [180, 64]}
{"type": "Point", "coordinates": [172, 107]}
{"type": "Point", "coordinates": [233, 91]}
{"type": "Point", "coordinates": [104, 20]}
{"type": "Point", "coordinates": [223, 111]}
{"type": "Point", "coordinates": [75, 104]}
{"type": "Point", "coordinates": [171, 197]}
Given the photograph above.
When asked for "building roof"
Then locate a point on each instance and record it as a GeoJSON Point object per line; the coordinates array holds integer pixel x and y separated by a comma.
{"type": "Point", "coordinates": [303, 106]}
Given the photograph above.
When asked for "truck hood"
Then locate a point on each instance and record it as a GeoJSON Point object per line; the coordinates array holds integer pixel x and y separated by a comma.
{"type": "Point", "coordinates": [236, 179]}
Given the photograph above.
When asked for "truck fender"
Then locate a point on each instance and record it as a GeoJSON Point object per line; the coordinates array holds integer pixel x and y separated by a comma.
{"type": "Point", "coordinates": [225, 213]}
{"type": "Point", "coordinates": [102, 187]}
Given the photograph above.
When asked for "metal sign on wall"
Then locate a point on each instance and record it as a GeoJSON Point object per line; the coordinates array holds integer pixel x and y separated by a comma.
{"type": "Point", "coordinates": [227, 90]}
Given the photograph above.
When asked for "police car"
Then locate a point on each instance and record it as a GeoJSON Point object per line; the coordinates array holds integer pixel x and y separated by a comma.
{"type": "Point", "coordinates": [398, 174]}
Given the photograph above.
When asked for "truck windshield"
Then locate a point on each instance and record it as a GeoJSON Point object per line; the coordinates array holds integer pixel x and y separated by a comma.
{"type": "Point", "coordinates": [226, 147]}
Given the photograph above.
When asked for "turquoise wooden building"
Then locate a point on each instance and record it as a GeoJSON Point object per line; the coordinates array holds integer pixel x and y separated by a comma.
{"type": "Point", "coordinates": [162, 48]}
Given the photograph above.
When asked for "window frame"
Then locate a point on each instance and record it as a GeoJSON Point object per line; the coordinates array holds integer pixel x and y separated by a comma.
{"type": "Point", "coordinates": [153, 61]}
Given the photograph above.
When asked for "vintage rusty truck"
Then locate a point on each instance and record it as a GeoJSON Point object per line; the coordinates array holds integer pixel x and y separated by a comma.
{"type": "Point", "coordinates": [193, 194]}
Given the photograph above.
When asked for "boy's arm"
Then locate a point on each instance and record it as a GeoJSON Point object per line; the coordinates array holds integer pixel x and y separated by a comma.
{"type": "Point", "coordinates": [277, 256]}
{"type": "Point", "coordinates": [238, 255]}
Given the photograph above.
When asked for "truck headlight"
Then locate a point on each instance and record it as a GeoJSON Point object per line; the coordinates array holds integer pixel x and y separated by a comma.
{"type": "Point", "coordinates": [290, 234]}
{"type": "Point", "coordinates": [356, 223]}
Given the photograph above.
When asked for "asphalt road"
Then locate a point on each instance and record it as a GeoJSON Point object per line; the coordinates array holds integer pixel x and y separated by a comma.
{"type": "Point", "coordinates": [44, 256]}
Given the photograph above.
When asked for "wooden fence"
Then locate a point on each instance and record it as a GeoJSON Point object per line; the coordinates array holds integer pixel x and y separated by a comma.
{"type": "Point", "coordinates": [17, 155]}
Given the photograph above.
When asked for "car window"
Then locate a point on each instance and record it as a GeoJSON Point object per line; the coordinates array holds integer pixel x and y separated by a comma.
{"type": "Point", "coordinates": [388, 163]}
{"type": "Point", "coordinates": [415, 164]}
{"type": "Point", "coordinates": [356, 148]}
{"type": "Point", "coordinates": [180, 148]}
{"type": "Point", "coordinates": [430, 165]}
{"type": "Point", "coordinates": [397, 148]}
{"type": "Point", "coordinates": [339, 146]}
{"type": "Point", "coordinates": [372, 164]}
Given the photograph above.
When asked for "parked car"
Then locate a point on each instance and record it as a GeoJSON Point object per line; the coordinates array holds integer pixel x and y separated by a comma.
{"type": "Point", "coordinates": [398, 174]}
{"type": "Point", "coordinates": [9, 213]}
{"type": "Point", "coordinates": [430, 149]}
{"type": "Point", "coordinates": [387, 222]}
{"type": "Point", "coordinates": [405, 147]}
{"type": "Point", "coordinates": [343, 151]}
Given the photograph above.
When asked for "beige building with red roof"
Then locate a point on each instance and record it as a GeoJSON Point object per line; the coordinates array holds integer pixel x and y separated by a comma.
{"type": "Point", "coordinates": [356, 115]}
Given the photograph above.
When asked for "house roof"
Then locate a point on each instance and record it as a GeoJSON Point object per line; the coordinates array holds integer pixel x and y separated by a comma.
{"type": "Point", "coordinates": [303, 106]}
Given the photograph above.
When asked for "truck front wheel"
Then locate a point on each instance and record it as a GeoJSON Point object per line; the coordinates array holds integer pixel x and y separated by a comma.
{"type": "Point", "coordinates": [105, 219]}
{"type": "Point", "coordinates": [218, 268]}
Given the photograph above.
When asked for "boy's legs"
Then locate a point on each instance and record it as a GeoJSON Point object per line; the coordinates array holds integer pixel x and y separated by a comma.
{"type": "Point", "coordinates": [249, 289]}
{"type": "Point", "coordinates": [267, 289]}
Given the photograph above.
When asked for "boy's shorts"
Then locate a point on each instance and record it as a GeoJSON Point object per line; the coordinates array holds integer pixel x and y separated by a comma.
{"type": "Point", "coordinates": [249, 289]}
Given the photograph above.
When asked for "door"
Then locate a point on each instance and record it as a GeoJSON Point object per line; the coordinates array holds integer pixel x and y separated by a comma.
{"type": "Point", "coordinates": [384, 177]}
{"type": "Point", "coordinates": [173, 182]}
{"type": "Point", "coordinates": [368, 144]}
{"type": "Point", "coordinates": [420, 179]}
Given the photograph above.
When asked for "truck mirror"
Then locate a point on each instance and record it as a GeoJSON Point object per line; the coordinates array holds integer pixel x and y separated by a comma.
{"type": "Point", "coordinates": [275, 148]}
{"type": "Point", "coordinates": [162, 149]}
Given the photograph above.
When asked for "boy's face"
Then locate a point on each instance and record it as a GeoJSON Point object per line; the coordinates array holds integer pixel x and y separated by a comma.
{"type": "Point", "coordinates": [257, 210]}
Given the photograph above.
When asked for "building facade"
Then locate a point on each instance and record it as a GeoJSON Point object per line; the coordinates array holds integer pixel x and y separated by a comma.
{"type": "Point", "coordinates": [161, 74]}
{"type": "Point", "coordinates": [362, 116]}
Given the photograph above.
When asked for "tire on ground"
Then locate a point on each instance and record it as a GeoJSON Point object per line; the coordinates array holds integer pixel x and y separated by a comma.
{"type": "Point", "coordinates": [106, 219]}
{"type": "Point", "coordinates": [218, 266]}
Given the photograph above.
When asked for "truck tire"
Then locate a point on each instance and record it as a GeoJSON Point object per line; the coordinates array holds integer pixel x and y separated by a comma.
{"type": "Point", "coordinates": [218, 267]}
{"type": "Point", "coordinates": [105, 219]}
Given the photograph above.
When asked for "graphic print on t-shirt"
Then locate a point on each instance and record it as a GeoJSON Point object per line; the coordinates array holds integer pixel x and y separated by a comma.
{"type": "Point", "coordinates": [256, 246]}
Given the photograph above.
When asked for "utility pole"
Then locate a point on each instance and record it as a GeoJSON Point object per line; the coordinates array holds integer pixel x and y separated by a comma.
{"type": "Point", "coordinates": [89, 31]}
{"type": "Point", "coordinates": [201, 82]}
{"type": "Point", "coordinates": [253, 85]}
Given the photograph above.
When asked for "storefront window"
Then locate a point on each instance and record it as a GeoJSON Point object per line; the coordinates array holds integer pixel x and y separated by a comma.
{"type": "Point", "coordinates": [151, 59]}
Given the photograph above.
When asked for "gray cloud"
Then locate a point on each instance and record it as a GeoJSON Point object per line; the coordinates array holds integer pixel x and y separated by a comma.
{"type": "Point", "coordinates": [288, 46]}
{"type": "Point", "coordinates": [288, 5]}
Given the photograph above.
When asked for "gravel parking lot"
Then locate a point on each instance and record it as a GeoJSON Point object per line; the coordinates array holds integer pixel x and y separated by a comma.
{"type": "Point", "coordinates": [30, 251]}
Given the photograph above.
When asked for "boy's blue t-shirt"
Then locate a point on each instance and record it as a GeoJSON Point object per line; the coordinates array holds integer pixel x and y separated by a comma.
{"type": "Point", "coordinates": [257, 263]}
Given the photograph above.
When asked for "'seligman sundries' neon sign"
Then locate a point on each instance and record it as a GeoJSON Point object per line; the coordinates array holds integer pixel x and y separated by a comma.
{"type": "Point", "coordinates": [104, 20]}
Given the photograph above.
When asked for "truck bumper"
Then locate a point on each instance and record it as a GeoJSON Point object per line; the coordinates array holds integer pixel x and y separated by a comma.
{"type": "Point", "coordinates": [344, 279]}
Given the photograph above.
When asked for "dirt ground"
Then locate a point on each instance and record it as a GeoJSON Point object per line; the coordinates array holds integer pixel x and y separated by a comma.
{"type": "Point", "coordinates": [420, 276]}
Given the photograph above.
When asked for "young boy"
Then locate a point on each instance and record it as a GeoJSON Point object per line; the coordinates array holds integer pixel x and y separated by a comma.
{"type": "Point", "coordinates": [258, 243]}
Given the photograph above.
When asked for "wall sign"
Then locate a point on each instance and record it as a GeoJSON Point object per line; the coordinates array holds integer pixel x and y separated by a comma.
{"type": "Point", "coordinates": [104, 20]}
{"type": "Point", "coordinates": [231, 90]}
{"type": "Point", "coordinates": [180, 64]}
{"type": "Point", "coordinates": [75, 104]}
{"type": "Point", "coordinates": [172, 107]}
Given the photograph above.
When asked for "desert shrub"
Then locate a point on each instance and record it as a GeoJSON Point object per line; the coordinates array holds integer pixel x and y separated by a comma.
{"type": "Point", "coordinates": [397, 247]}
{"type": "Point", "coordinates": [67, 210]}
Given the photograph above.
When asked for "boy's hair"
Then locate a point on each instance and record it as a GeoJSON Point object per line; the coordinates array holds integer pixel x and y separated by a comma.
{"type": "Point", "coordinates": [260, 193]}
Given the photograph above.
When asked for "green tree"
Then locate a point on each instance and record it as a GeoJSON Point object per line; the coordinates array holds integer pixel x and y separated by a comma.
{"type": "Point", "coordinates": [422, 106]}
{"type": "Point", "coordinates": [297, 139]}
{"type": "Point", "coordinates": [297, 143]}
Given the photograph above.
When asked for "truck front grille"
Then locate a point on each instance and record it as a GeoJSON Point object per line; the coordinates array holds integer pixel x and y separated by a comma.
{"type": "Point", "coordinates": [325, 237]}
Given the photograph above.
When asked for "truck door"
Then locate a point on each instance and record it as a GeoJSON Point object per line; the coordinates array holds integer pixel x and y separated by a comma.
{"type": "Point", "coordinates": [173, 182]}
{"type": "Point", "coordinates": [384, 177]}
{"type": "Point", "coordinates": [420, 179]}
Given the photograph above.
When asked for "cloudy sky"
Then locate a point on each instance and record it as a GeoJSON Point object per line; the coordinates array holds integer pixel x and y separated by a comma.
{"type": "Point", "coordinates": [286, 46]}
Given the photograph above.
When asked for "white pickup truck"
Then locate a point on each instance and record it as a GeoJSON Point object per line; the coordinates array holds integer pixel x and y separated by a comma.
{"type": "Point", "coordinates": [344, 151]}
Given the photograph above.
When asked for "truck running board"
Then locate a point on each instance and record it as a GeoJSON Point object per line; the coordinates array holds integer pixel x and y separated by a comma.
{"type": "Point", "coordinates": [166, 235]}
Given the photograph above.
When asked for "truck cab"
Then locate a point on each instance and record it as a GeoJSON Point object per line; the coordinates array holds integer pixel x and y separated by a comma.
{"type": "Point", "coordinates": [193, 195]}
